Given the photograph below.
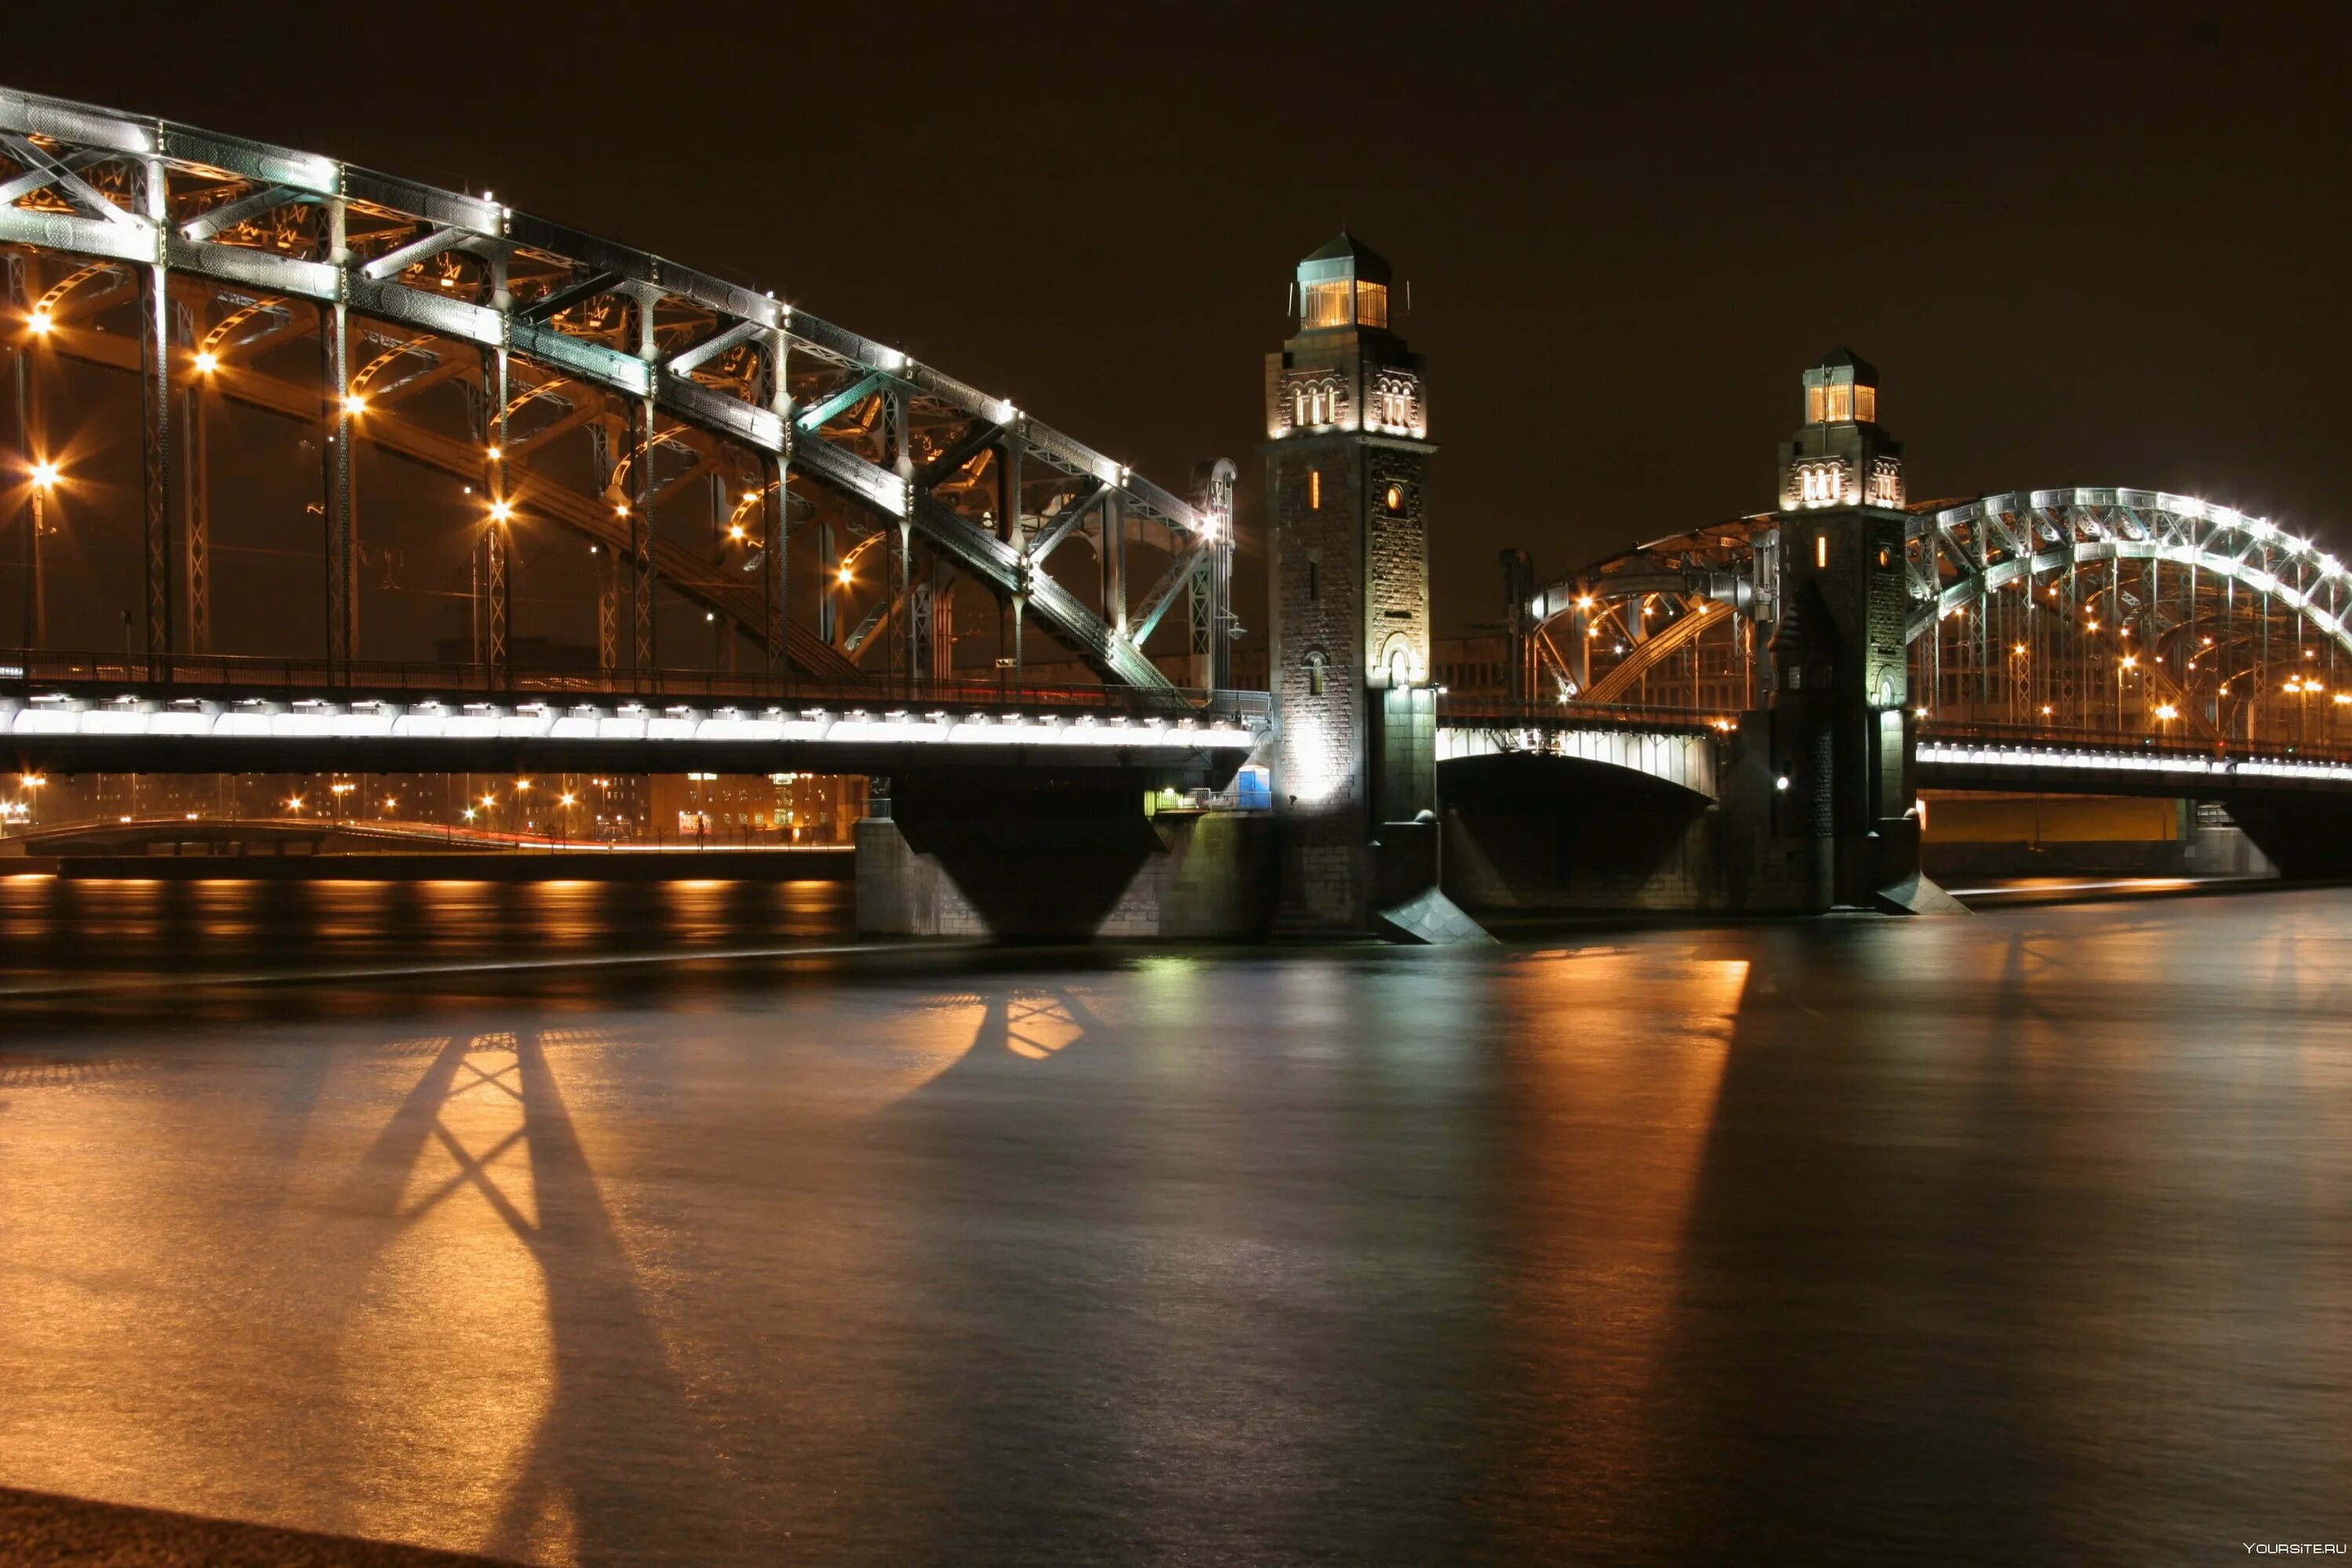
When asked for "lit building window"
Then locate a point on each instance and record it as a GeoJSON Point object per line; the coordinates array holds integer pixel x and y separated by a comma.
{"type": "Point", "coordinates": [1298, 406]}
{"type": "Point", "coordinates": [1372, 304]}
{"type": "Point", "coordinates": [1813, 405]}
{"type": "Point", "coordinates": [1865, 403]}
{"type": "Point", "coordinates": [1885, 482]}
{"type": "Point", "coordinates": [1314, 489]}
{"type": "Point", "coordinates": [1395, 402]}
{"type": "Point", "coordinates": [1327, 305]}
{"type": "Point", "coordinates": [1820, 484]}
{"type": "Point", "coordinates": [1314, 675]}
{"type": "Point", "coordinates": [1395, 498]}
{"type": "Point", "coordinates": [1822, 550]}
{"type": "Point", "coordinates": [1841, 404]}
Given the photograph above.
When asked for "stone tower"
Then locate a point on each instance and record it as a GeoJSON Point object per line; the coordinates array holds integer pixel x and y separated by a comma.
{"type": "Point", "coordinates": [1842, 726]}
{"type": "Point", "coordinates": [1347, 423]}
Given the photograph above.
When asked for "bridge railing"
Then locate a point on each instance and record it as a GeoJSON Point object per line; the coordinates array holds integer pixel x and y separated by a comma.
{"type": "Point", "coordinates": [1503, 711]}
{"type": "Point", "coordinates": [2109, 740]}
{"type": "Point", "coordinates": [217, 675]}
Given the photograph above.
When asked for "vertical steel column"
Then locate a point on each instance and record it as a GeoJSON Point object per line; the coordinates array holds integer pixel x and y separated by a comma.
{"type": "Point", "coordinates": [1008, 519]}
{"type": "Point", "coordinates": [641, 506]}
{"type": "Point", "coordinates": [28, 518]}
{"type": "Point", "coordinates": [341, 547]}
{"type": "Point", "coordinates": [498, 527]}
{"type": "Point", "coordinates": [828, 586]}
{"type": "Point", "coordinates": [1222, 478]}
{"type": "Point", "coordinates": [777, 529]}
{"type": "Point", "coordinates": [902, 608]}
{"type": "Point", "coordinates": [155, 390]}
{"type": "Point", "coordinates": [1201, 616]}
{"type": "Point", "coordinates": [608, 616]}
{"type": "Point", "coordinates": [1115, 551]}
{"type": "Point", "coordinates": [901, 585]}
{"type": "Point", "coordinates": [641, 536]}
{"type": "Point", "coordinates": [196, 508]}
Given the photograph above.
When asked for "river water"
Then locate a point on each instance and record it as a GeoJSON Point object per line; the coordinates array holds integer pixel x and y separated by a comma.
{"type": "Point", "coordinates": [2015, 1239]}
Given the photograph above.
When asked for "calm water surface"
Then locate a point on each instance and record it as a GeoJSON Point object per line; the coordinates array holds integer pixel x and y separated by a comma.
{"type": "Point", "coordinates": [2024, 1238]}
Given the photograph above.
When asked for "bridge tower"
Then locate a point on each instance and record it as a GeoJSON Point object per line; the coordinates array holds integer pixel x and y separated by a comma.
{"type": "Point", "coordinates": [1836, 680]}
{"type": "Point", "coordinates": [1354, 764]}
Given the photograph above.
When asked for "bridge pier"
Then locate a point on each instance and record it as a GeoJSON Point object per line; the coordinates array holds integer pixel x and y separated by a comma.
{"type": "Point", "coordinates": [1028, 858]}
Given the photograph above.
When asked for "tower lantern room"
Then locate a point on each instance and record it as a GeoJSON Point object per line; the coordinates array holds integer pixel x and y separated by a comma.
{"type": "Point", "coordinates": [1840, 455]}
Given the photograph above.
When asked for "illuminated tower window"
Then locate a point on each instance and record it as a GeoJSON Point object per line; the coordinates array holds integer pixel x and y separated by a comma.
{"type": "Point", "coordinates": [1326, 304]}
{"type": "Point", "coordinates": [1314, 489]}
{"type": "Point", "coordinates": [1865, 403]}
{"type": "Point", "coordinates": [1841, 403]}
{"type": "Point", "coordinates": [1371, 305]}
{"type": "Point", "coordinates": [1815, 402]}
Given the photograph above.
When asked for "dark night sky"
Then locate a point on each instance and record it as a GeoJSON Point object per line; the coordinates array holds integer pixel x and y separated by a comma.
{"type": "Point", "coordinates": [2097, 244]}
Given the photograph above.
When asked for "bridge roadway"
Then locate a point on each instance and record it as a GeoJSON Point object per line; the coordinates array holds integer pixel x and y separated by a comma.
{"type": "Point", "coordinates": [1681, 746]}
{"type": "Point", "coordinates": [234, 715]}
{"type": "Point", "coordinates": [2021, 760]}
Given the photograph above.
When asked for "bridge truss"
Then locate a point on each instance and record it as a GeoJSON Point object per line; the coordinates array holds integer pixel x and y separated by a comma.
{"type": "Point", "coordinates": [817, 493]}
{"type": "Point", "coordinates": [2073, 612]}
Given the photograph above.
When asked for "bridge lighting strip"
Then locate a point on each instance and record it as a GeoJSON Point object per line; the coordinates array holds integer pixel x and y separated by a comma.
{"type": "Point", "coordinates": [2134, 763]}
{"type": "Point", "coordinates": [437, 722]}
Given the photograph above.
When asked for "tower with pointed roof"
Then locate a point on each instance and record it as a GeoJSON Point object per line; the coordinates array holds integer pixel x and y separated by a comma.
{"type": "Point", "coordinates": [1347, 423]}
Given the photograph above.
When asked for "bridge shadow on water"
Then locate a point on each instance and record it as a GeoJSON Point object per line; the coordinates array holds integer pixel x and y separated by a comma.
{"type": "Point", "coordinates": [556, 1421]}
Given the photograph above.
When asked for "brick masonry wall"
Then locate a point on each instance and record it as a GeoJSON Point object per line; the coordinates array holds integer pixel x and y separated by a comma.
{"type": "Point", "coordinates": [1350, 573]}
{"type": "Point", "coordinates": [1319, 571]}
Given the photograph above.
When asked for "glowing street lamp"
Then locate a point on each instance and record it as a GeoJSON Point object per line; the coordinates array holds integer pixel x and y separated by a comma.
{"type": "Point", "coordinates": [206, 364]}
{"type": "Point", "coordinates": [45, 477]}
{"type": "Point", "coordinates": [38, 322]}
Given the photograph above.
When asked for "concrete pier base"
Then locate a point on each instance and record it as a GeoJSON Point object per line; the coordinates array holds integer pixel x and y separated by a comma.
{"type": "Point", "coordinates": [1205, 876]}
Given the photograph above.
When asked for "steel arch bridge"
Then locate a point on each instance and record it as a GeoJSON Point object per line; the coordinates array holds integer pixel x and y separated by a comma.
{"type": "Point", "coordinates": [2130, 616]}
{"type": "Point", "coordinates": [583, 385]}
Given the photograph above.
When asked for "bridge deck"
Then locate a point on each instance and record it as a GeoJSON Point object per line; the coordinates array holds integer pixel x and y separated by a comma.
{"type": "Point", "coordinates": [190, 714]}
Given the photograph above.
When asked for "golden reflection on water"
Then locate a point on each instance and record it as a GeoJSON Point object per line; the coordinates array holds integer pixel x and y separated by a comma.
{"type": "Point", "coordinates": [1615, 1062]}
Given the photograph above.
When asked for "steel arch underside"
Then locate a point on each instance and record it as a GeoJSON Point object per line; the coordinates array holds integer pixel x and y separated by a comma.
{"type": "Point", "coordinates": [163, 200]}
{"type": "Point", "coordinates": [2211, 590]}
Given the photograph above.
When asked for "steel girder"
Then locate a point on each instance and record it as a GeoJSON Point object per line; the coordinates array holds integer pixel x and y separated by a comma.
{"type": "Point", "coordinates": [1975, 549]}
{"type": "Point", "coordinates": [1961, 552]}
{"type": "Point", "coordinates": [210, 190]}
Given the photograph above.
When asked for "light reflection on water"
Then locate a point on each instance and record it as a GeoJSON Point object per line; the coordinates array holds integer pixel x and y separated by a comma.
{"type": "Point", "coordinates": [2013, 1238]}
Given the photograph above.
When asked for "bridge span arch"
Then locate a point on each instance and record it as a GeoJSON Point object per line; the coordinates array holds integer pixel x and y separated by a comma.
{"type": "Point", "coordinates": [2114, 612]}
{"type": "Point", "coordinates": [822, 491]}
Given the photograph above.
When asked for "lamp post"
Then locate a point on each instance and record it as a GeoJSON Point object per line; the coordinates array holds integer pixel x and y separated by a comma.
{"type": "Point", "coordinates": [45, 480]}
